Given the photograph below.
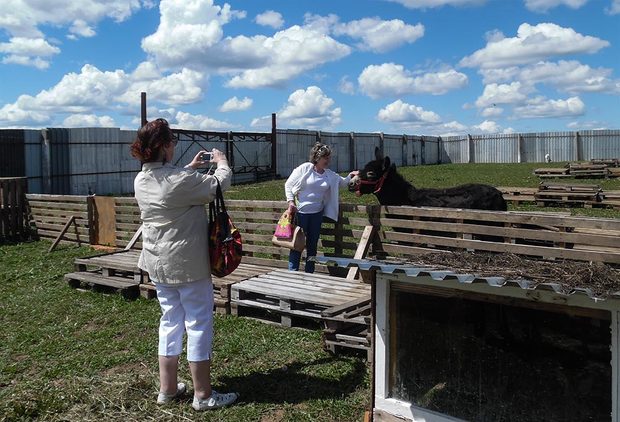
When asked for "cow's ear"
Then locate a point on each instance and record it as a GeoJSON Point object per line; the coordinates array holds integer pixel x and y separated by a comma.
{"type": "Point", "coordinates": [386, 163]}
{"type": "Point", "coordinates": [378, 154]}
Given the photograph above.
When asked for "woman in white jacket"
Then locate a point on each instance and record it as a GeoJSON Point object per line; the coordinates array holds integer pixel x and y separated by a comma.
{"type": "Point", "coordinates": [312, 191]}
{"type": "Point", "coordinates": [174, 254]}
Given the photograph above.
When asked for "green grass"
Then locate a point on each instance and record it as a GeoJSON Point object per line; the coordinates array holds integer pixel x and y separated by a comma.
{"type": "Point", "coordinates": [445, 175]}
{"type": "Point", "coordinates": [82, 356]}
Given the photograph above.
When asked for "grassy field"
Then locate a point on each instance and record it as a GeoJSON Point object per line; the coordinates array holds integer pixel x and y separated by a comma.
{"type": "Point", "coordinates": [81, 356]}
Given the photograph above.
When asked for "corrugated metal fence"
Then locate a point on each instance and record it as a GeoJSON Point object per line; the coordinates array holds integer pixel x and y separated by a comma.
{"type": "Point", "coordinates": [97, 160]}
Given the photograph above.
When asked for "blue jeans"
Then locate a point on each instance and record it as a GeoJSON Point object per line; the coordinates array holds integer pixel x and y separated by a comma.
{"type": "Point", "coordinates": [311, 224]}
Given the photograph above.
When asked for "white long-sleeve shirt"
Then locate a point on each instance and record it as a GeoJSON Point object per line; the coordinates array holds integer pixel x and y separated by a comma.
{"type": "Point", "coordinates": [174, 220]}
{"type": "Point", "coordinates": [296, 182]}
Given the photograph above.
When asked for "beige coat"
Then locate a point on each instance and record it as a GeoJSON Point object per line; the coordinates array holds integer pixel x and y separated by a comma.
{"type": "Point", "coordinates": [174, 220]}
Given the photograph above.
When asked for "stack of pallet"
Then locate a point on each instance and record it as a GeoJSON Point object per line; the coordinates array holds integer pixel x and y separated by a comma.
{"type": "Point", "coordinates": [585, 195]}
{"type": "Point", "coordinates": [588, 170]}
{"type": "Point", "coordinates": [551, 172]}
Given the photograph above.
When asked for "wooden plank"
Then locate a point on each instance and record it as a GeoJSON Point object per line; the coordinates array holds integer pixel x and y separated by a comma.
{"type": "Point", "coordinates": [62, 233]}
{"type": "Point", "coordinates": [362, 250]}
{"type": "Point", "coordinates": [55, 198]}
{"type": "Point", "coordinates": [134, 239]}
{"type": "Point", "coordinates": [305, 293]}
{"type": "Point", "coordinates": [541, 251]}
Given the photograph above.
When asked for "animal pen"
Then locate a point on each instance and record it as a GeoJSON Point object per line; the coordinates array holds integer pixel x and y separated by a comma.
{"type": "Point", "coordinates": [477, 316]}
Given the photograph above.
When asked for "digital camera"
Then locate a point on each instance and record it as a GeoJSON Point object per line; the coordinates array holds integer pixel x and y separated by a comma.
{"type": "Point", "coordinates": [206, 156]}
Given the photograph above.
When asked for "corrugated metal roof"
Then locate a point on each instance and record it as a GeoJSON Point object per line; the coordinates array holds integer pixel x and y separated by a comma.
{"type": "Point", "coordinates": [443, 275]}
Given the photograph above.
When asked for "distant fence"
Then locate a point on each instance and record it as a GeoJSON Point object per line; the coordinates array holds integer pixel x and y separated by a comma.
{"type": "Point", "coordinates": [97, 160]}
{"type": "Point", "coordinates": [14, 223]}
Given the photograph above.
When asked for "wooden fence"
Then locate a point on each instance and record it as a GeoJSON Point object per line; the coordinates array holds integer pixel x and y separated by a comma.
{"type": "Point", "coordinates": [13, 209]}
{"type": "Point", "coordinates": [546, 235]}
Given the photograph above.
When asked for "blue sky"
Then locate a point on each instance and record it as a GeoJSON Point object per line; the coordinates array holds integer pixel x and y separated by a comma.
{"type": "Point", "coordinates": [427, 67]}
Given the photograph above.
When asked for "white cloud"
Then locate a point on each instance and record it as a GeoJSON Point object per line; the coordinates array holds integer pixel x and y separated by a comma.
{"type": "Point", "coordinates": [592, 125]}
{"type": "Point", "coordinates": [571, 76]}
{"type": "Point", "coordinates": [502, 94]}
{"type": "Point", "coordinates": [270, 18]}
{"type": "Point", "coordinates": [379, 35]}
{"type": "Point", "coordinates": [82, 29]}
{"type": "Point", "coordinates": [309, 108]}
{"type": "Point", "coordinates": [191, 35]}
{"type": "Point", "coordinates": [545, 5]}
{"type": "Point", "coordinates": [287, 54]}
{"type": "Point", "coordinates": [23, 19]}
{"type": "Point", "coordinates": [184, 87]}
{"type": "Point", "coordinates": [567, 76]}
{"type": "Point", "coordinates": [427, 4]}
{"type": "Point", "coordinates": [187, 29]}
{"type": "Point", "coordinates": [95, 90]}
{"type": "Point", "coordinates": [541, 107]}
{"type": "Point", "coordinates": [492, 112]}
{"type": "Point", "coordinates": [28, 51]}
{"type": "Point", "coordinates": [390, 79]}
{"type": "Point", "coordinates": [488, 126]}
{"type": "Point", "coordinates": [346, 86]}
{"type": "Point", "coordinates": [88, 120]}
{"type": "Point", "coordinates": [12, 115]}
{"type": "Point", "coordinates": [533, 43]}
{"type": "Point", "coordinates": [198, 122]}
{"type": "Point", "coordinates": [401, 112]}
{"type": "Point", "coordinates": [235, 104]}
{"type": "Point", "coordinates": [614, 9]}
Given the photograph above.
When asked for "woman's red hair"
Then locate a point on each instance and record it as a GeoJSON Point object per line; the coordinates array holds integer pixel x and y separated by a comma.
{"type": "Point", "coordinates": [152, 137]}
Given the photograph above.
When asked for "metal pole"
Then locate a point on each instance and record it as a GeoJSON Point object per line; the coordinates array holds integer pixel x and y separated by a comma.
{"type": "Point", "coordinates": [274, 146]}
{"type": "Point", "coordinates": [143, 108]}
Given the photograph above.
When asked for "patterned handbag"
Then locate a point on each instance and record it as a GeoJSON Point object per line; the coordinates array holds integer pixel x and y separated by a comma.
{"type": "Point", "coordinates": [225, 247]}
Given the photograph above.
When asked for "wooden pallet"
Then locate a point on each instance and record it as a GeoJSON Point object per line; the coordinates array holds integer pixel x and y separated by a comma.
{"type": "Point", "coordinates": [551, 172]}
{"type": "Point", "coordinates": [348, 326]}
{"type": "Point", "coordinates": [124, 264]}
{"type": "Point", "coordinates": [288, 298]}
{"type": "Point", "coordinates": [517, 195]}
{"type": "Point", "coordinates": [98, 282]}
{"type": "Point", "coordinates": [609, 162]}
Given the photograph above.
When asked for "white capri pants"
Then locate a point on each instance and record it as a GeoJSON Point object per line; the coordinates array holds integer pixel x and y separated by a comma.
{"type": "Point", "coordinates": [186, 308]}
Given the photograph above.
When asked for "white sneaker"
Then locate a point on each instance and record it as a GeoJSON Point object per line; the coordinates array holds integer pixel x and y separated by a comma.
{"type": "Point", "coordinates": [216, 401]}
{"type": "Point", "coordinates": [164, 398]}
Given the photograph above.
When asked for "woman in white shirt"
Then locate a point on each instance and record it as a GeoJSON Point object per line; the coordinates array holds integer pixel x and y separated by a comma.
{"type": "Point", "coordinates": [312, 191]}
{"type": "Point", "coordinates": [174, 254]}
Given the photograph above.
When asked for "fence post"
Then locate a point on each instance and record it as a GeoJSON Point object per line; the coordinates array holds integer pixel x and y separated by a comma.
{"type": "Point", "coordinates": [381, 144]}
{"type": "Point", "coordinates": [519, 148]}
{"type": "Point", "coordinates": [274, 146]}
{"type": "Point", "coordinates": [352, 163]}
{"type": "Point", "coordinates": [470, 143]}
{"type": "Point", "coordinates": [576, 155]}
{"type": "Point", "coordinates": [439, 150]}
{"type": "Point", "coordinates": [404, 152]}
{"type": "Point", "coordinates": [46, 165]}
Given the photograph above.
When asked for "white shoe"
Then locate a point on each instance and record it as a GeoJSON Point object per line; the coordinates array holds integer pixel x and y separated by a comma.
{"type": "Point", "coordinates": [216, 401]}
{"type": "Point", "coordinates": [164, 398]}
